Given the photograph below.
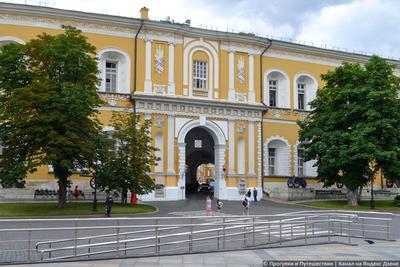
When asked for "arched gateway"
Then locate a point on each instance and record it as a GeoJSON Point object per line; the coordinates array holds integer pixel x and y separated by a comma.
{"type": "Point", "coordinates": [201, 142]}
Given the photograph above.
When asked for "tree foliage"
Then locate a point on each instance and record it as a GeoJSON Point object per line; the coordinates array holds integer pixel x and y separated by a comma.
{"type": "Point", "coordinates": [353, 130]}
{"type": "Point", "coordinates": [48, 106]}
{"type": "Point", "coordinates": [125, 155]}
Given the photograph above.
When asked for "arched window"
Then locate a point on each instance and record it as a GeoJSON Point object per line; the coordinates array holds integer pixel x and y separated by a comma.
{"type": "Point", "coordinates": [241, 159]}
{"type": "Point", "coordinates": [302, 167]}
{"type": "Point", "coordinates": [200, 75]}
{"type": "Point", "coordinates": [305, 91]}
{"type": "Point", "coordinates": [114, 66]}
{"type": "Point", "coordinates": [277, 89]}
{"type": "Point", "coordinates": [159, 143]}
{"type": "Point", "coordinates": [277, 157]}
{"type": "Point", "coordinates": [10, 39]}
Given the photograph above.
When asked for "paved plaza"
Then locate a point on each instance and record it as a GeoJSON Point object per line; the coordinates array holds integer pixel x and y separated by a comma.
{"type": "Point", "coordinates": [252, 258]}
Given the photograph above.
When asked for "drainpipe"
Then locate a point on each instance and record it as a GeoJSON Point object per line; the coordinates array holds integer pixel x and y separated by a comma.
{"type": "Point", "coordinates": [263, 113]}
{"type": "Point", "coordinates": [135, 67]}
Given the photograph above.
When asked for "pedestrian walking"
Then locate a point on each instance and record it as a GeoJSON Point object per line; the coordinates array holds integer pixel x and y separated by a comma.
{"type": "Point", "coordinates": [248, 194]}
{"type": "Point", "coordinates": [109, 203]}
{"type": "Point", "coordinates": [255, 194]}
{"type": "Point", "coordinates": [246, 205]}
{"type": "Point", "coordinates": [208, 206]}
{"type": "Point", "coordinates": [219, 206]}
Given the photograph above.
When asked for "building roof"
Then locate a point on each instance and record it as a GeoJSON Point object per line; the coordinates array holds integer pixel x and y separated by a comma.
{"type": "Point", "coordinates": [183, 29]}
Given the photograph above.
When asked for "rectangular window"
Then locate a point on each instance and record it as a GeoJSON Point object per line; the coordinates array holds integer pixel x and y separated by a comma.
{"type": "Point", "coordinates": [273, 85]}
{"type": "Point", "coordinates": [300, 94]}
{"type": "Point", "coordinates": [271, 161]}
{"type": "Point", "coordinates": [200, 75]}
{"type": "Point", "coordinates": [111, 76]}
{"type": "Point", "coordinates": [300, 161]}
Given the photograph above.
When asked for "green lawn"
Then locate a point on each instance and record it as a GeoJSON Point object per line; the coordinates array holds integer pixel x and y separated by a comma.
{"type": "Point", "coordinates": [75, 208]}
{"type": "Point", "coordinates": [380, 205]}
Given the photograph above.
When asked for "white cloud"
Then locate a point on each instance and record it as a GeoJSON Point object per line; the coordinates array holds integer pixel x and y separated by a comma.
{"type": "Point", "coordinates": [366, 25]}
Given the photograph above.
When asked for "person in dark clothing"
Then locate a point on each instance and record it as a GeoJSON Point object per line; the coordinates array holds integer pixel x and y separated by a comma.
{"type": "Point", "coordinates": [255, 194]}
{"type": "Point", "coordinates": [109, 203]}
{"type": "Point", "coordinates": [248, 194]}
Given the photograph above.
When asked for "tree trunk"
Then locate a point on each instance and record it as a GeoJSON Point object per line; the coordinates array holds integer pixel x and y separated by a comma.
{"type": "Point", "coordinates": [62, 175]}
{"type": "Point", "coordinates": [352, 198]}
{"type": "Point", "coordinates": [359, 192]}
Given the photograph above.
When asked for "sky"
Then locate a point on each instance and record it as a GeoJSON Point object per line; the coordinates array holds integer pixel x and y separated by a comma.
{"type": "Point", "coordinates": [371, 26]}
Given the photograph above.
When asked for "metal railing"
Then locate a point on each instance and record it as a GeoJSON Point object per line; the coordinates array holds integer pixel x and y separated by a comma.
{"type": "Point", "coordinates": [31, 240]}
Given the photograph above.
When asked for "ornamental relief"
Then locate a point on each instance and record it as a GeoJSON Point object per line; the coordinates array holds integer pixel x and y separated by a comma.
{"type": "Point", "coordinates": [159, 64]}
{"type": "Point", "coordinates": [57, 22]}
{"type": "Point", "coordinates": [241, 70]}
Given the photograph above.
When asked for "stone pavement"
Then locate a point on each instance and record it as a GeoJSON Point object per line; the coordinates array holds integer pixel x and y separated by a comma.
{"type": "Point", "coordinates": [381, 250]}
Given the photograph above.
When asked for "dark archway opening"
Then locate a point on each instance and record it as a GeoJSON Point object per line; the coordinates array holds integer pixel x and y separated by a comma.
{"type": "Point", "coordinates": [199, 150]}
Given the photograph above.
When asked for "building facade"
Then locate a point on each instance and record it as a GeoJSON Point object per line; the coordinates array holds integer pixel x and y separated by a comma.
{"type": "Point", "coordinates": [227, 99]}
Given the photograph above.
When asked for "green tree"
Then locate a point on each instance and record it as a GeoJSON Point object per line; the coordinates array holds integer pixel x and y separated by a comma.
{"type": "Point", "coordinates": [48, 106]}
{"type": "Point", "coordinates": [353, 130]}
{"type": "Point", "coordinates": [126, 156]}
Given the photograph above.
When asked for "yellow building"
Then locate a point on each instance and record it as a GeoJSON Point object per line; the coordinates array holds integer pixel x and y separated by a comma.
{"type": "Point", "coordinates": [230, 99]}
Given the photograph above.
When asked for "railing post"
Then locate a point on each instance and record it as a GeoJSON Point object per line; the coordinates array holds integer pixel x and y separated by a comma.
{"type": "Point", "coordinates": [218, 239]}
{"type": "Point", "coordinates": [291, 231]}
{"type": "Point", "coordinates": [269, 231]}
{"type": "Point", "coordinates": [387, 230]}
{"type": "Point", "coordinates": [254, 231]}
{"type": "Point", "coordinates": [126, 239]}
{"type": "Point", "coordinates": [244, 232]}
{"type": "Point", "coordinates": [363, 227]}
{"type": "Point", "coordinates": [280, 230]}
{"type": "Point", "coordinates": [305, 230]}
{"type": "Point", "coordinates": [157, 241]}
{"type": "Point", "coordinates": [329, 228]}
{"type": "Point", "coordinates": [76, 238]}
{"type": "Point", "coordinates": [349, 225]}
{"type": "Point", "coordinates": [30, 243]}
{"type": "Point", "coordinates": [89, 247]}
{"type": "Point", "coordinates": [223, 232]}
{"type": "Point", "coordinates": [50, 250]}
{"type": "Point", "coordinates": [118, 237]}
{"type": "Point", "coordinates": [191, 238]}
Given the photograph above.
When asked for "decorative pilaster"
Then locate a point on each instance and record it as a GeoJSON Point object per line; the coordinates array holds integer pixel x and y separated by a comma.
{"type": "Point", "coordinates": [252, 96]}
{"type": "Point", "coordinates": [182, 163]}
{"type": "Point", "coordinates": [251, 147]}
{"type": "Point", "coordinates": [171, 58]}
{"type": "Point", "coordinates": [231, 135]}
{"type": "Point", "coordinates": [171, 141]}
{"type": "Point", "coordinates": [231, 94]}
{"type": "Point", "coordinates": [148, 87]}
{"type": "Point", "coordinates": [220, 183]}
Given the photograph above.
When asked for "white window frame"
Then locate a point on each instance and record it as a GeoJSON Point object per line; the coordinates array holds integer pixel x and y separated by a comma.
{"type": "Point", "coordinates": [200, 71]}
{"type": "Point", "coordinates": [300, 161]}
{"type": "Point", "coordinates": [271, 161]}
{"type": "Point", "coordinates": [301, 91]}
{"type": "Point", "coordinates": [112, 85]}
{"type": "Point", "coordinates": [273, 87]}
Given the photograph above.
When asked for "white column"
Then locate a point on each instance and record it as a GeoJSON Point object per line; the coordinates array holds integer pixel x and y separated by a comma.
{"type": "Point", "coordinates": [231, 94]}
{"type": "Point", "coordinates": [148, 87]}
{"type": "Point", "coordinates": [171, 139]}
{"type": "Point", "coordinates": [182, 163]}
{"type": "Point", "coordinates": [171, 80]}
{"type": "Point", "coordinates": [252, 96]}
{"type": "Point", "coordinates": [231, 136]}
{"type": "Point", "coordinates": [251, 148]}
{"type": "Point", "coordinates": [220, 183]}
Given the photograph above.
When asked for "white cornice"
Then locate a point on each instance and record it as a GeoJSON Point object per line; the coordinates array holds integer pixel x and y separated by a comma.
{"type": "Point", "coordinates": [176, 106]}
